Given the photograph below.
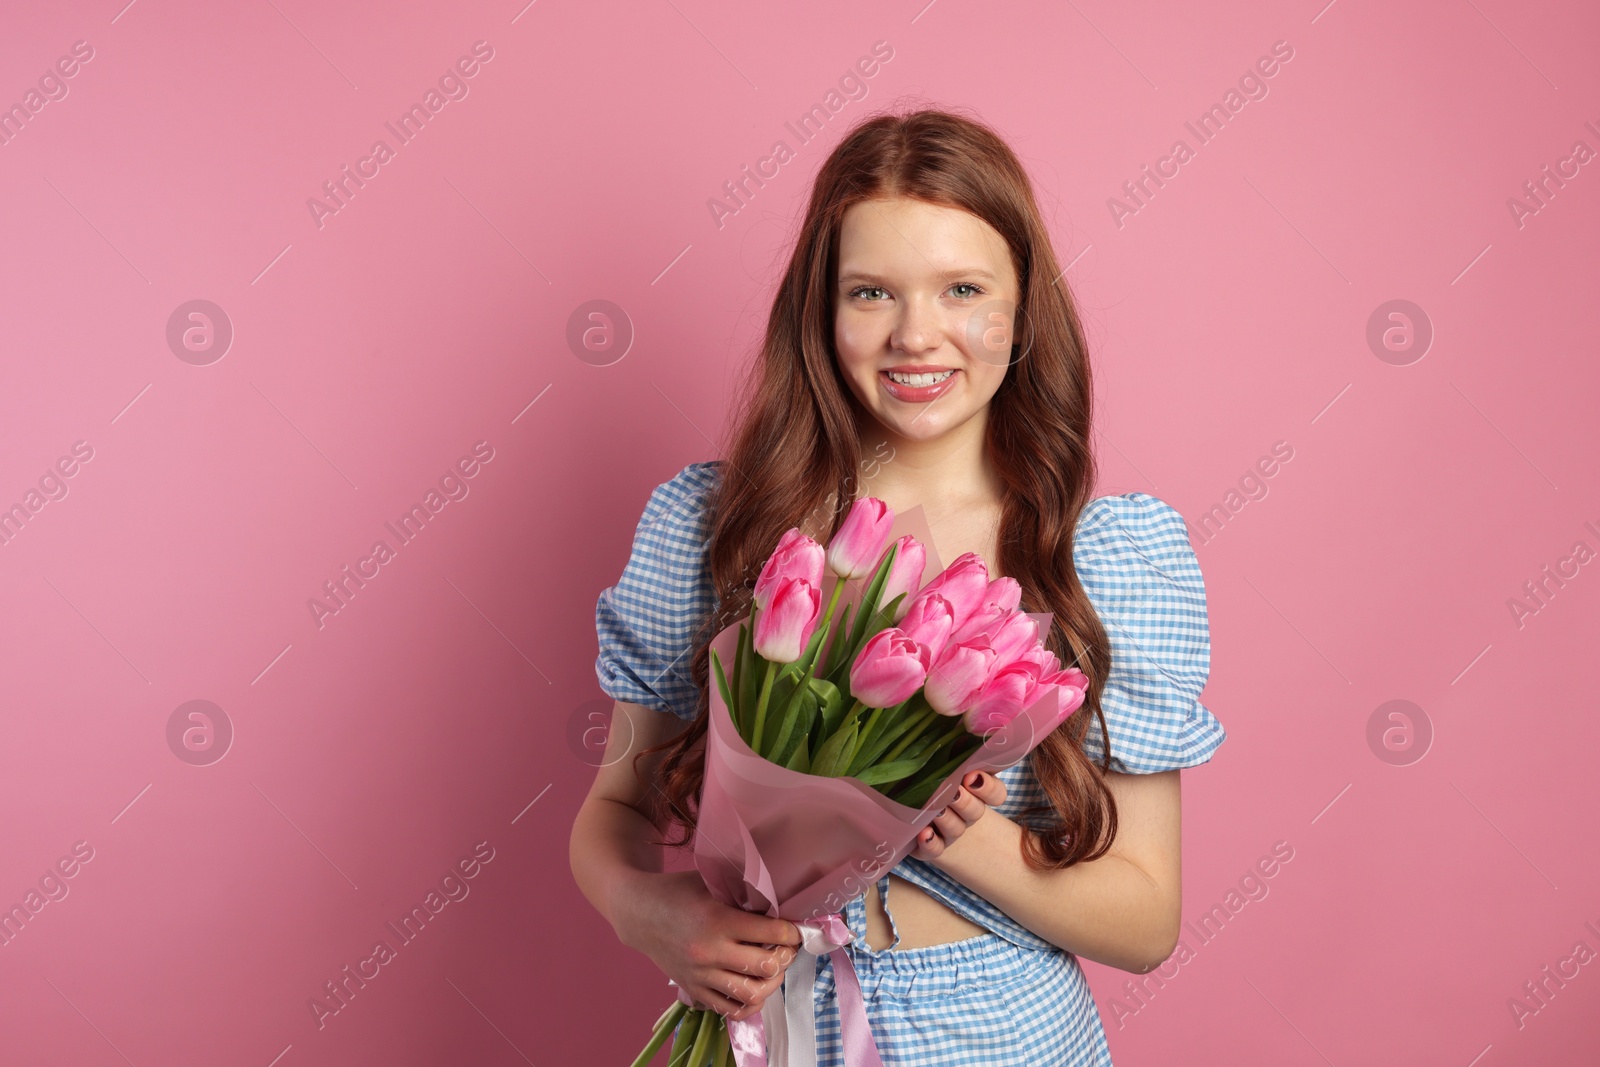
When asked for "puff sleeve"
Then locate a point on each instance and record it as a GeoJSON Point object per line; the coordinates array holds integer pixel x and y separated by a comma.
{"type": "Point", "coordinates": [1133, 556]}
{"type": "Point", "coordinates": [646, 623]}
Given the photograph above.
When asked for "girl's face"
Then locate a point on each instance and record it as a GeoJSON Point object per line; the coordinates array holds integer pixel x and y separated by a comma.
{"type": "Point", "coordinates": [923, 312]}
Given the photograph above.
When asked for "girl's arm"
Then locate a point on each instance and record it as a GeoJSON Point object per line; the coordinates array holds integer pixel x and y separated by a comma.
{"type": "Point", "coordinates": [713, 951]}
{"type": "Point", "coordinates": [1123, 909]}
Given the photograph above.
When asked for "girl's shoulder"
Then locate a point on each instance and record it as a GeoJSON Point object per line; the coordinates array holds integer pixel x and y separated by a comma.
{"type": "Point", "coordinates": [1133, 522]}
{"type": "Point", "coordinates": [684, 497]}
{"type": "Point", "coordinates": [1131, 546]}
{"type": "Point", "coordinates": [646, 622]}
{"type": "Point", "coordinates": [673, 529]}
{"type": "Point", "coordinates": [1134, 558]}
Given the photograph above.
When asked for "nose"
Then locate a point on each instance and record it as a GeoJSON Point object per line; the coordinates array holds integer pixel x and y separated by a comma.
{"type": "Point", "coordinates": [918, 328]}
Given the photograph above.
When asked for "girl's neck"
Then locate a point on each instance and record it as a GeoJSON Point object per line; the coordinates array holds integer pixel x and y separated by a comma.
{"type": "Point", "coordinates": [951, 470]}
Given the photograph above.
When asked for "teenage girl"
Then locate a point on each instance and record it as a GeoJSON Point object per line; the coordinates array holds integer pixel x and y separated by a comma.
{"type": "Point", "coordinates": [923, 348]}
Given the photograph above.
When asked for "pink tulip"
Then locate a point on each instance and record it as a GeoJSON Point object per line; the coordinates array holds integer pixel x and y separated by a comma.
{"type": "Point", "coordinates": [1004, 592]}
{"type": "Point", "coordinates": [1067, 676]}
{"type": "Point", "coordinates": [929, 623]}
{"type": "Point", "coordinates": [889, 669]}
{"type": "Point", "coordinates": [1052, 673]}
{"type": "Point", "coordinates": [859, 543]}
{"type": "Point", "coordinates": [1046, 660]}
{"type": "Point", "coordinates": [1018, 685]}
{"type": "Point", "coordinates": [1010, 633]}
{"type": "Point", "coordinates": [964, 583]}
{"type": "Point", "coordinates": [905, 574]}
{"type": "Point", "coordinates": [784, 629]}
{"type": "Point", "coordinates": [958, 675]}
{"type": "Point", "coordinates": [797, 556]}
{"type": "Point", "coordinates": [1042, 658]}
{"type": "Point", "coordinates": [1072, 693]}
{"type": "Point", "coordinates": [979, 621]}
{"type": "Point", "coordinates": [1008, 691]}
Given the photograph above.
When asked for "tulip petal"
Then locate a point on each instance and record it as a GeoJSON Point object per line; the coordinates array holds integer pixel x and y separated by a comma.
{"type": "Point", "coordinates": [784, 628]}
{"type": "Point", "coordinates": [888, 670]}
{"type": "Point", "coordinates": [859, 544]}
{"type": "Point", "coordinates": [797, 556]}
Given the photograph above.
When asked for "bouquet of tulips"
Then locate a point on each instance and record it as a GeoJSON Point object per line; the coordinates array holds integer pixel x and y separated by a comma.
{"type": "Point", "coordinates": [903, 697]}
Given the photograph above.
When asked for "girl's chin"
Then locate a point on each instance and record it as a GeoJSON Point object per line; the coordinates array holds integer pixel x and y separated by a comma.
{"type": "Point", "coordinates": [925, 425]}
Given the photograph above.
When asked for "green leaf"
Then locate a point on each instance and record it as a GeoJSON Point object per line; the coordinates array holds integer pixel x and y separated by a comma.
{"type": "Point", "coordinates": [869, 600]}
{"type": "Point", "coordinates": [923, 747]}
{"type": "Point", "coordinates": [813, 648]}
{"type": "Point", "coordinates": [921, 788]}
{"type": "Point", "coordinates": [722, 686]}
{"type": "Point", "coordinates": [881, 729]}
{"type": "Point", "coordinates": [889, 772]}
{"type": "Point", "coordinates": [800, 736]}
{"type": "Point", "coordinates": [834, 751]}
{"type": "Point", "coordinates": [871, 726]}
{"type": "Point", "coordinates": [938, 733]}
{"type": "Point", "coordinates": [832, 704]}
{"type": "Point", "coordinates": [784, 687]}
{"type": "Point", "coordinates": [830, 662]}
{"type": "Point", "coordinates": [750, 675]}
{"type": "Point", "coordinates": [783, 726]}
{"type": "Point", "coordinates": [881, 620]}
{"type": "Point", "coordinates": [800, 758]}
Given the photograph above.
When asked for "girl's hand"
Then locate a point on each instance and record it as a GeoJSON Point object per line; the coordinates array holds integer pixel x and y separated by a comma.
{"type": "Point", "coordinates": [725, 959]}
{"type": "Point", "coordinates": [980, 790]}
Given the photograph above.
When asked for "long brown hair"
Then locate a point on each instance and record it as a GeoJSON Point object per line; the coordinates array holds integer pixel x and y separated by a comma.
{"type": "Point", "coordinates": [796, 448]}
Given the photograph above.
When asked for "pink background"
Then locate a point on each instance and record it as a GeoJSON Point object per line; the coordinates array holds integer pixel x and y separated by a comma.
{"type": "Point", "coordinates": [445, 705]}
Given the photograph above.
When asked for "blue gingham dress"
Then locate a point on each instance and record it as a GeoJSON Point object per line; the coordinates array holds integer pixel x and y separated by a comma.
{"type": "Point", "coordinates": [1006, 998]}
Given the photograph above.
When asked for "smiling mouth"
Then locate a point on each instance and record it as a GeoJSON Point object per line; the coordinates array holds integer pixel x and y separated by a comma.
{"type": "Point", "coordinates": [918, 381]}
{"type": "Point", "coordinates": [918, 387]}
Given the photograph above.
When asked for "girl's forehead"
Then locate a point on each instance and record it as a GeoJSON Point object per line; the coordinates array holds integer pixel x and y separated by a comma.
{"type": "Point", "coordinates": [895, 214]}
{"type": "Point", "coordinates": [915, 238]}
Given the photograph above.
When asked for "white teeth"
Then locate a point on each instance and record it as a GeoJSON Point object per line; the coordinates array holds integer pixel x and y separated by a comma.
{"type": "Point", "coordinates": [919, 380]}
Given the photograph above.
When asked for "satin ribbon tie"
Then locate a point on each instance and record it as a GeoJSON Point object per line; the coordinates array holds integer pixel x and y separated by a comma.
{"type": "Point", "coordinates": [788, 1021]}
{"type": "Point", "coordinates": [784, 1032]}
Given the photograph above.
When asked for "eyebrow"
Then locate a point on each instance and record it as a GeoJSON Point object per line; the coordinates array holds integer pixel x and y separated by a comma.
{"type": "Point", "coordinates": [946, 275]}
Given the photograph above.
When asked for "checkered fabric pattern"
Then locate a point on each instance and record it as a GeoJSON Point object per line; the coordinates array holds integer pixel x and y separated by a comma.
{"type": "Point", "coordinates": [647, 620]}
{"type": "Point", "coordinates": [1007, 997]}
{"type": "Point", "coordinates": [986, 1000]}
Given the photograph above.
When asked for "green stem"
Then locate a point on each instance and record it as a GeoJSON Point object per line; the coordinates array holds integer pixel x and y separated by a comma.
{"type": "Point", "coordinates": [710, 1026]}
{"type": "Point", "coordinates": [664, 1027]}
{"type": "Point", "coordinates": [856, 708]}
{"type": "Point", "coordinates": [688, 1030]}
{"type": "Point", "coordinates": [824, 650]}
{"type": "Point", "coordinates": [761, 709]}
{"type": "Point", "coordinates": [927, 716]}
{"type": "Point", "coordinates": [879, 735]}
{"type": "Point", "coordinates": [917, 791]}
{"type": "Point", "coordinates": [863, 739]}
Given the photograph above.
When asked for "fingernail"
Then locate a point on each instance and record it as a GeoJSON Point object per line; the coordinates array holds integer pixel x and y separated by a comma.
{"type": "Point", "coordinates": [977, 783]}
